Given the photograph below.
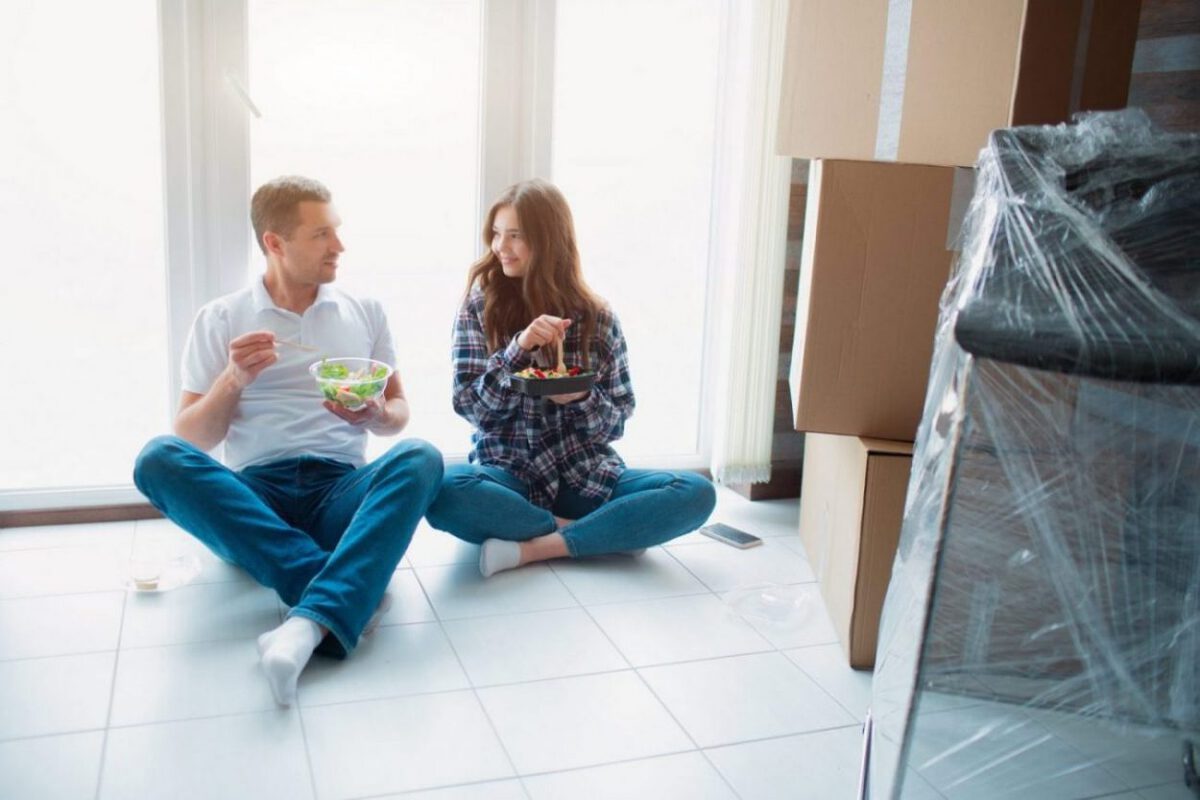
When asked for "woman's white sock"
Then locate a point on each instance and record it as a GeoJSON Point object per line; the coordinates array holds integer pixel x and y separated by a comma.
{"type": "Point", "coordinates": [284, 653]}
{"type": "Point", "coordinates": [498, 554]}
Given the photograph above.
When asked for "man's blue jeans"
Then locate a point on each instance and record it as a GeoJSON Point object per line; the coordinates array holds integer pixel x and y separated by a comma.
{"type": "Point", "coordinates": [647, 507]}
{"type": "Point", "coordinates": [324, 535]}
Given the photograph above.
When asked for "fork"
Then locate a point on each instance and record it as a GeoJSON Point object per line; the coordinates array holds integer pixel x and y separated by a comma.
{"type": "Point", "coordinates": [296, 345]}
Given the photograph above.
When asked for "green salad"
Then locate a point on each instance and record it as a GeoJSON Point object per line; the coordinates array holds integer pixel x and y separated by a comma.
{"type": "Point", "coordinates": [348, 387]}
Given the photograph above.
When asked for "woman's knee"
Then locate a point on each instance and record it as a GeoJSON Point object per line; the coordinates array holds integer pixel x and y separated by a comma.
{"type": "Point", "coordinates": [700, 494]}
{"type": "Point", "coordinates": [452, 492]}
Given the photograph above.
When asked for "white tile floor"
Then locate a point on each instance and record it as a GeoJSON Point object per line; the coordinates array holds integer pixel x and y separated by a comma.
{"type": "Point", "coordinates": [606, 678]}
{"type": "Point", "coordinates": [612, 677]}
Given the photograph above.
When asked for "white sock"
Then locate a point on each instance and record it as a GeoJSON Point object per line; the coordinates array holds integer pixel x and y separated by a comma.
{"type": "Point", "coordinates": [284, 653]}
{"type": "Point", "coordinates": [497, 555]}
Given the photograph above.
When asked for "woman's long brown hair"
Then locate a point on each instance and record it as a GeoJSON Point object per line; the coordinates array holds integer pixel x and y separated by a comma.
{"type": "Point", "coordinates": [553, 281]}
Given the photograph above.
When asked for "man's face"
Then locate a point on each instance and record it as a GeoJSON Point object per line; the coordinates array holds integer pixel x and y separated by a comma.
{"type": "Point", "coordinates": [311, 253]}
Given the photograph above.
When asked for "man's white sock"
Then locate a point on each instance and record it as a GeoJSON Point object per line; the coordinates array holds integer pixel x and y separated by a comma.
{"type": "Point", "coordinates": [385, 603]}
{"type": "Point", "coordinates": [498, 554]}
{"type": "Point", "coordinates": [284, 653]}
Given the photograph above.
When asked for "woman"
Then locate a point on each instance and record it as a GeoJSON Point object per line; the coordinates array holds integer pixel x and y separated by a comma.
{"type": "Point", "coordinates": [542, 481]}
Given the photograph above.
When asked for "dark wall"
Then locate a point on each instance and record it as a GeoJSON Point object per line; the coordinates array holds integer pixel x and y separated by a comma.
{"type": "Point", "coordinates": [1166, 64]}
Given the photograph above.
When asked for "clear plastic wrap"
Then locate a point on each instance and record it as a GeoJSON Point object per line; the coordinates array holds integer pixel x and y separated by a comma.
{"type": "Point", "coordinates": [1041, 633]}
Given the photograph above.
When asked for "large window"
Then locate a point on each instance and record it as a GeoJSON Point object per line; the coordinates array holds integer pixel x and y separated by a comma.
{"type": "Point", "coordinates": [83, 345]}
{"type": "Point", "coordinates": [127, 172]}
{"type": "Point", "coordinates": [632, 145]}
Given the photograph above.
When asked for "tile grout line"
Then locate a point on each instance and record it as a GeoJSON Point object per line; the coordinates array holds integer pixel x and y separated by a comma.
{"type": "Point", "coordinates": [703, 753]}
{"type": "Point", "coordinates": [112, 692]}
{"type": "Point", "coordinates": [471, 682]}
{"type": "Point", "coordinates": [821, 685]}
{"type": "Point", "coordinates": [654, 694]}
{"type": "Point", "coordinates": [717, 594]}
{"type": "Point", "coordinates": [312, 773]}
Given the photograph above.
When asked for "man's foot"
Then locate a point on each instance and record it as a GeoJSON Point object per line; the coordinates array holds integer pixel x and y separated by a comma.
{"type": "Point", "coordinates": [284, 652]}
{"type": "Point", "coordinates": [498, 554]}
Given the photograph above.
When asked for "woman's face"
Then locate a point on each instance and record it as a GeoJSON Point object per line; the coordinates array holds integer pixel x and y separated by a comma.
{"type": "Point", "coordinates": [508, 242]}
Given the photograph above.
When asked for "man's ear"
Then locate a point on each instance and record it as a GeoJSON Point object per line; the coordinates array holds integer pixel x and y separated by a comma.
{"type": "Point", "coordinates": [273, 242]}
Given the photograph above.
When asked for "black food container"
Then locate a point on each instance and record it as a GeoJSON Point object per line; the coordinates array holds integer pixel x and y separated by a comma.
{"type": "Point", "coordinates": [540, 387]}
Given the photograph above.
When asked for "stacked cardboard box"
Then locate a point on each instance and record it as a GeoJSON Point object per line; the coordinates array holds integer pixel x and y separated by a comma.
{"type": "Point", "coordinates": [925, 81]}
{"type": "Point", "coordinates": [892, 100]}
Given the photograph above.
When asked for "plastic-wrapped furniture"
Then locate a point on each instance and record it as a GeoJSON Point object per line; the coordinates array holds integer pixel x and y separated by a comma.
{"type": "Point", "coordinates": [1041, 633]}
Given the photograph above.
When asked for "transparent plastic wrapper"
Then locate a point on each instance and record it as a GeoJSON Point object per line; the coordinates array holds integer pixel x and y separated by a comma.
{"type": "Point", "coordinates": [1041, 632]}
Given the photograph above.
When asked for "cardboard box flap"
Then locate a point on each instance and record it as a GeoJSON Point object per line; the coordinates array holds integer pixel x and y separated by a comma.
{"type": "Point", "coordinates": [851, 505]}
{"type": "Point", "coordinates": [832, 104]}
{"type": "Point", "coordinates": [889, 447]}
{"type": "Point", "coordinates": [883, 515]}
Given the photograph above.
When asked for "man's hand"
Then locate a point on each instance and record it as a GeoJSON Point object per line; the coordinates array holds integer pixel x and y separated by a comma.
{"type": "Point", "coordinates": [203, 419]}
{"type": "Point", "coordinates": [544, 330]}
{"type": "Point", "coordinates": [564, 399]}
{"type": "Point", "coordinates": [250, 354]}
{"type": "Point", "coordinates": [370, 414]}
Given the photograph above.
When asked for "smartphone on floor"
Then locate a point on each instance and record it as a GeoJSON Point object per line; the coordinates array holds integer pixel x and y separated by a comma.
{"type": "Point", "coordinates": [730, 535]}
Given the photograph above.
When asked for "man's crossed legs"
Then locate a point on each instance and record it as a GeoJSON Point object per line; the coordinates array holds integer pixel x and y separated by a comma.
{"type": "Point", "coordinates": [324, 535]}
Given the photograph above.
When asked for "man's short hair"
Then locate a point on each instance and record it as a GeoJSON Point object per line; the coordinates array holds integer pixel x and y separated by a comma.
{"type": "Point", "coordinates": [274, 205]}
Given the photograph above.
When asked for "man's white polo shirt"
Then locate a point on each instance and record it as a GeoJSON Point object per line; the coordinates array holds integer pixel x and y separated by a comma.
{"type": "Point", "coordinates": [280, 414]}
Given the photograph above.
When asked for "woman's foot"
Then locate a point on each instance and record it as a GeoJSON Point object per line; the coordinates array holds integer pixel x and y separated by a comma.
{"type": "Point", "coordinates": [497, 555]}
{"type": "Point", "coordinates": [500, 554]}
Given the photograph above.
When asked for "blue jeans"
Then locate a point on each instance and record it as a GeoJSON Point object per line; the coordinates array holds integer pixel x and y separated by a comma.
{"type": "Point", "coordinates": [647, 507]}
{"type": "Point", "coordinates": [324, 535]}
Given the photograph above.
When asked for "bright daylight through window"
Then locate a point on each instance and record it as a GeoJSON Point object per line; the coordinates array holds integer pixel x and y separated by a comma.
{"type": "Point", "coordinates": [386, 103]}
{"type": "Point", "coordinates": [632, 147]}
{"type": "Point", "coordinates": [83, 314]}
{"type": "Point", "coordinates": [399, 151]}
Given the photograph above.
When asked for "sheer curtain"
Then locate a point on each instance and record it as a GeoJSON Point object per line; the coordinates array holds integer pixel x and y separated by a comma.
{"type": "Point", "coordinates": [749, 235]}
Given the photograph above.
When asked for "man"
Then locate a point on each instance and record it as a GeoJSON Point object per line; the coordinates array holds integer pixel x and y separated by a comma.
{"type": "Point", "coordinates": [295, 504]}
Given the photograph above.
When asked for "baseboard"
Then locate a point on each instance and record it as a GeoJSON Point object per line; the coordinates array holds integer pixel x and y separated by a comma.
{"type": "Point", "coordinates": [75, 516]}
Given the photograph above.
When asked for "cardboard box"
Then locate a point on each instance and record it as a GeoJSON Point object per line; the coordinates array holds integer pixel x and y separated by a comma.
{"type": "Point", "coordinates": [874, 262]}
{"type": "Point", "coordinates": [851, 508]}
{"type": "Point", "coordinates": [925, 81]}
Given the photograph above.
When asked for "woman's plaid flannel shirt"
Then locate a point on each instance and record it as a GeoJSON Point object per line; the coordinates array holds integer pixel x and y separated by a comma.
{"type": "Point", "coordinates": [539, 441]}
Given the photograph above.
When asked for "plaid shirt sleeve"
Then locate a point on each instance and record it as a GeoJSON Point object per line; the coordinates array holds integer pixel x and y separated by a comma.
{"type": "Point", "coordinates": [600, 417]}
{"type": "Point", "coordinates": [482, 394]}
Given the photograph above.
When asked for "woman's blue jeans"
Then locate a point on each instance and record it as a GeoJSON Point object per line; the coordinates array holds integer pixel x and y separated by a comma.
{"type": "Point", "coordinates": [324, 535]}
{"type": "Point", "coordinates": [647, 507]}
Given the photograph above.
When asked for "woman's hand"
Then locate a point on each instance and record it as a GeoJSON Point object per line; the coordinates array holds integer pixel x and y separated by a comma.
{"type": "Point", "coordinates": [544, 330]}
